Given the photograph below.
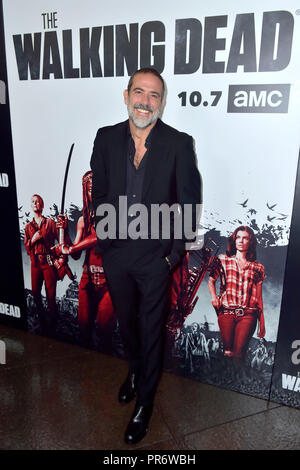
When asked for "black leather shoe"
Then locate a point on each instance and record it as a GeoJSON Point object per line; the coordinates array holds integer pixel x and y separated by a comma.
{"type": "Point", "coordinates": [138, 425]}
{"type": "Point", "coordinates": [127, 390]}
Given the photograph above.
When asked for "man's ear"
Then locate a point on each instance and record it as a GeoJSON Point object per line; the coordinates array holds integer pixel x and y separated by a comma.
{"type": "Point", "coordinates": [125, 94]}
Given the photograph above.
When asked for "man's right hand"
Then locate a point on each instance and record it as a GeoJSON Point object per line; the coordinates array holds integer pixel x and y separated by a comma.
{"type": "Point", "coordinates": [37, 236]}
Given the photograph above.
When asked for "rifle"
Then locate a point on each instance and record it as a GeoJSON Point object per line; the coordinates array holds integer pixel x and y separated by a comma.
{"type": "Point", "coordinates": [187, 298]}
{"type": "Point", "coordinates": [197, 276]}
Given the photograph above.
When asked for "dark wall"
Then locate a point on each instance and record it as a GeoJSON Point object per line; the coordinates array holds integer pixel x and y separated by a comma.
{"type": "Point", "coordinates": [11, 273]}
{"type": "Point", "coordinates": [287, 359]}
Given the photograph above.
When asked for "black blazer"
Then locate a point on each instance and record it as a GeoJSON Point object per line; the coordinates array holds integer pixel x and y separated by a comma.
{"type": "Point", "coordinates": [171, 174]}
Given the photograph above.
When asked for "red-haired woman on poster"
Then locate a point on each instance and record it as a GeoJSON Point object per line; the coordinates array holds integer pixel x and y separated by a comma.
{"type": "Point", "coordinates": [94, 302]}
{"type": "Point", "coordinates": [239, 305]}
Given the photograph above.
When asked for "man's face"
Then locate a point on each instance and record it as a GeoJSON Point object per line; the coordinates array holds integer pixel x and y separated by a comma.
{"type": "Point", "coordinates": [144, 101]}
{"type": "Point", "coordinates": [36, 204]}
{"type": "Point", "coordinates": [242, 240]}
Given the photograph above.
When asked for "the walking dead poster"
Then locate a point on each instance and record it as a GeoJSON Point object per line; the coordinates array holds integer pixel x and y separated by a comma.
{"type": "Point", "coordinates": [231, 76]}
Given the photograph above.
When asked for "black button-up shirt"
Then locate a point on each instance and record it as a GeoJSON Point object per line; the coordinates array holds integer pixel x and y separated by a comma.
{"type": "Point", "coordinates": [135, 176]}
{"type": "Point", "coordinates": [134, 183]}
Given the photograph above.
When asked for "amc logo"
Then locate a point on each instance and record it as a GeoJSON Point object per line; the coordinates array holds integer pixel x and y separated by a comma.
{"type": "Point", "coordinates": [258, 98]}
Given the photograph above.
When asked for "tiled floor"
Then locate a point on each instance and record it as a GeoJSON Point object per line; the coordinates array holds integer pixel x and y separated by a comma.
{"type": "Point", "coordinates": [59, 396]}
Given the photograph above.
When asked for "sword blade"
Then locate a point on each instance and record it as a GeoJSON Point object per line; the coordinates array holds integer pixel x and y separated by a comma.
{"type": "Point", "coordinates": [62, 207]}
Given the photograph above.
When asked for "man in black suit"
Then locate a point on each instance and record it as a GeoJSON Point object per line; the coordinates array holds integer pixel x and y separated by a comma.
{"type": "Point", "coordinates": [151, 164]}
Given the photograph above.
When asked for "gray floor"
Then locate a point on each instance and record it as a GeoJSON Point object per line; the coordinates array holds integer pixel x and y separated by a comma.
{"type": "Point", "coordinates": [58, 396]}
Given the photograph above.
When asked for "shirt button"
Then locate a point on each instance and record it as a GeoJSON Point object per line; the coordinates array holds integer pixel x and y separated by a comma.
{"type": "Point", "coordinates": [134, 195]}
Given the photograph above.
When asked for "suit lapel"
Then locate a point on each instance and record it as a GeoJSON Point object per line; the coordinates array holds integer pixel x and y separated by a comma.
{"type": "Point", "coordinates": [154, 158]}
{"type": "Point", "coordinates": [120, 151]}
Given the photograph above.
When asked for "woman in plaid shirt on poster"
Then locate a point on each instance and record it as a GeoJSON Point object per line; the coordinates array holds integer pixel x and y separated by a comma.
{"type": "Point", "coordinates": [239, 306]}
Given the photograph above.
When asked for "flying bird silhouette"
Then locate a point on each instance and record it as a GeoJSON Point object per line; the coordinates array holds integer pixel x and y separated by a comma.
{"type": "Point", "coordinates": [252, 211]}
{"type": "Point", "coordinates": [244, 204]}
{"type": "Point", "coordinates": [271, 207]}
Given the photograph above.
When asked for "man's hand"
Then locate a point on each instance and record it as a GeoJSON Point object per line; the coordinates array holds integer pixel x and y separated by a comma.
{"type": "Point", "coordinates": [37, 236]}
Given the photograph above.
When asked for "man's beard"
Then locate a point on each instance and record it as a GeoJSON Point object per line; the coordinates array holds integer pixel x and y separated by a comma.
{"type": "Point", "coordinates": [142, 123]}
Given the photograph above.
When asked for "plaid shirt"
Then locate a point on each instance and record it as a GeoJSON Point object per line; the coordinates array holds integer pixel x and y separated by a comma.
{"type": "Point", "coordinates": [49, 234]}
{"type": "Point", "coordinates": [240, 287]}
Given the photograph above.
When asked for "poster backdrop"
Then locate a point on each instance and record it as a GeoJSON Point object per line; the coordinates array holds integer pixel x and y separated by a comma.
{"type": "Point", "coordinates": [231, 73]}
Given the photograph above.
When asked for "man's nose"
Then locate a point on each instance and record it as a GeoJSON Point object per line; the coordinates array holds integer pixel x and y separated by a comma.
{"type": "Point", "coordinates": [145, 99]}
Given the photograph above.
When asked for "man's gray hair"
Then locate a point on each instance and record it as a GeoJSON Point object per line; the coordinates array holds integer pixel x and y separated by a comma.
{"type": "Point", "coordinates": [147, 70]}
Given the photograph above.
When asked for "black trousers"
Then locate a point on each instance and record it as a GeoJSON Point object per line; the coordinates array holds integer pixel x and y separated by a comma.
{"type": "Point", "coordinates": [138, 279]}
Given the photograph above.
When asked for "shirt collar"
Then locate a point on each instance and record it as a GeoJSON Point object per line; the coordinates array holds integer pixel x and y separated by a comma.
{"type": "Point", "coordinates": [149, 137]}
{"type": "Point", "coordinates": [42, 222]}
